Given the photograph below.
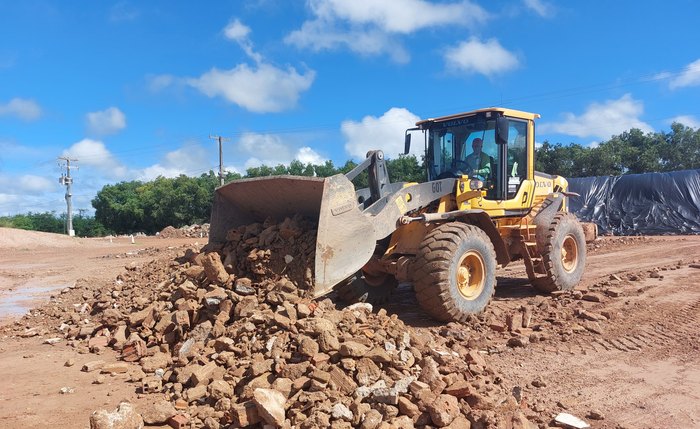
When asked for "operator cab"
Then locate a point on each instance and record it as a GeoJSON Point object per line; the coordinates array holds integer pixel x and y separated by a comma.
{"type": "Point", "coordinates": [452, 144]}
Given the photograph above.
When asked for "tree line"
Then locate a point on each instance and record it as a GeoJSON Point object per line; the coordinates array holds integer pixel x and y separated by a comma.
{"type": "Point", "coordinates": [137, 206]}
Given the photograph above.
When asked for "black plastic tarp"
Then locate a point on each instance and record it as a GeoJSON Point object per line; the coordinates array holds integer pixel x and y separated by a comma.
{"type": "Point", "coordinates": [639, 204]}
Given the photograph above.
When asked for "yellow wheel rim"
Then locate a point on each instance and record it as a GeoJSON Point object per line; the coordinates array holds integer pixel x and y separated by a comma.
{"type": "Point", "coordinates": [569, 254]}
{"type": "Point", "coordinates": [471, 275]}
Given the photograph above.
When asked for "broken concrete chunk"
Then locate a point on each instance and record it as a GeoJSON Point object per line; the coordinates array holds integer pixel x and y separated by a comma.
{"type": "Point", "coordinates": [270, 405]}
{"type": "Point", "coordinates": [124, 417]}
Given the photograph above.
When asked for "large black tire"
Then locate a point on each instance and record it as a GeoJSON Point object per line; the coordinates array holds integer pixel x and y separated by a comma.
{"type": "Point", "coordinates": [454, 272]}
{"type": "Point", "coordinates": [358, 288]}
{"type": "Point", "coordinates": [564, 254]}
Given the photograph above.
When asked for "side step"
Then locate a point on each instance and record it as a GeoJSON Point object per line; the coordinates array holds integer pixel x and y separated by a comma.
{"type": "Point", "coordinates": [531, 257]}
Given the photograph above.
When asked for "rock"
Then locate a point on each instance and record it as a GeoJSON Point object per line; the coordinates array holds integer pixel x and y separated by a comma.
{"type": "Point", "coordinates": [115, 368]}
{"type": "Point", "coordinates": [538, 382]}
{"type": "Point", "coordinates": [595, 415]}
{"type": "Point", "coordinates": [203, 374]}
{"type": "Point", "coordinates": [307, 346]}
{"type": "Point", "coordinates": [341, 381]}
{"type": "Point", "coordinates": [157, 413]}
{"type": "Point", "coordinates": [124, 417]}
{"type": "Point", "coordinates": [372, 420]}
{"type": "Point", "coordinates": [328, 341]}
{"type": "Point", "coordinates": [341, 412]}
{"type": "Point", "coordinates": [270, 405]}
{"type": "Point", "coordinates": [245, 414]}
{"type": "Point", "coordinates": [430, 374]}
{"type": "Point", "coordinates": [93, 365]}
{"type": "Point", "coordinates": [219, 389]}
{"type": "Point", "coordinates": [367, 372]}
{"type": "Point", "coordinates": [460, 389]}
{"type": "Point", "coordinates": [353, 349]}
{"type": "Point", "coordinates": [157, 361]}
{"type": "Point", "coordinates": [475, 358]}
{"type": "Point", "coordinates": [111, 317]}
{"type": "Point", "coordinates": [614, 292]}
{"type": "Point", "coordinates": [407, 407]}
{"type": "Point", "coordinates": [461, 422]}
{"type": "Point", "coordinates": [196, 393]}
{"type": "Point", "coordinates": [214, 268]}
{"type": "Point", "coordinates": [443, 410]}
{"type": "Point", "coordinates": [518, 341]}
{"type": "Point", "coordinates": [593, 297]}
{"type": "Point", "coordinates": [243, 286]}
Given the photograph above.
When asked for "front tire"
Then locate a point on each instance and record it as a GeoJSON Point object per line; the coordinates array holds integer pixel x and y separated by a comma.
{"type": "Point", "coordinates": [564, 254]}
{"type": "Point", "coordinates": [455, 272]}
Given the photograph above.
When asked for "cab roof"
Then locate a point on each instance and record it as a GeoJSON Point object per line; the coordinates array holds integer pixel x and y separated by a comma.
{"type": "Point", "coordinates": [506, 112]}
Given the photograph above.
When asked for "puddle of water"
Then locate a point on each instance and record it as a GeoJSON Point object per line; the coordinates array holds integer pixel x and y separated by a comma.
{"type": "Point", "coordinates": [18, 302]}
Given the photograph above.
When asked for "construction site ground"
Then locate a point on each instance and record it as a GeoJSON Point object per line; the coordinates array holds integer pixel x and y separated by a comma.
{"type": "Point", "coordinates": [638, 366]}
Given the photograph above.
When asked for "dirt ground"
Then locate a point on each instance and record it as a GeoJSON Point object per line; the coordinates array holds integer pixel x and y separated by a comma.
{"type": "Point", "coordinates": [636, 367]}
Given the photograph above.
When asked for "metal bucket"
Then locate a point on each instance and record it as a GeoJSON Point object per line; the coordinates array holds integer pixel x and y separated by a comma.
{"type": "Point", "coordinates": [346, 237]}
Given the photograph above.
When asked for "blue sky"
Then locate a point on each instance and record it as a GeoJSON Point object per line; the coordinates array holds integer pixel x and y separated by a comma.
{"type": "Point", "coordinates": [134, 89]}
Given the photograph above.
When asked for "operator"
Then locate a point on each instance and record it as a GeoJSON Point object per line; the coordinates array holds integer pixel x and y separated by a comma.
{"type": "Point", "coordinates": [479, 162]}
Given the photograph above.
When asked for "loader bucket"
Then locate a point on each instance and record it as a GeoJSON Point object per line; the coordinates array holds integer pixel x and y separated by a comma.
{"type": "Point", "coordinates": [345, 239]}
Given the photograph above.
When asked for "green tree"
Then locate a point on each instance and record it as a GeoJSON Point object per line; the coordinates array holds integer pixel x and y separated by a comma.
{"type": "Point", "coordinates": [120, 207]}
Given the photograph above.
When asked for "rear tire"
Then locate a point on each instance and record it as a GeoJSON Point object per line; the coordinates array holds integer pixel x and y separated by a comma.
{"type": "Point", "coordinates": [564, 254]}
{"type": "Point", "coordinates": [360, 288]}
{"type": "Point", "coordinates": [455, 272]}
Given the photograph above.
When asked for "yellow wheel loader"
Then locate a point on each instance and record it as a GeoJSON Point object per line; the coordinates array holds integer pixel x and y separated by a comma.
{"type": "Point", "coordinates": [448, 236]}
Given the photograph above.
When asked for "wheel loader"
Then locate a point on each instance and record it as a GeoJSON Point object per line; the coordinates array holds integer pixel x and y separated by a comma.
{"type": "Point", "coordinates": [446, 236]}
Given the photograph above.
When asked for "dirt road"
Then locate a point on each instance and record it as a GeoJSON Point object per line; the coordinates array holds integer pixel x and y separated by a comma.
{"type": "Point", "coordinates": [624, 346]}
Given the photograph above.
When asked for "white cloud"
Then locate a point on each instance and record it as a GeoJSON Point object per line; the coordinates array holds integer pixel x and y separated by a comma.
{"type": "Point", "coordinates": [405, 16]}
{"type": "Point", "coordinates": [94, 153]}
{"type": "Point", "coordinates": [319, 36]}
{"type": "Point", "coordinates": [260, 88]}
{"type": "Point", "coordinates": [108, 121]}
{"type": "Point", "coordinates": [689, 77]}
{"type": "Point", "coordinates": [385, 132]}
{"type": "Point", "coordinates": [263, 89]}
{"type": "Point", "coordinates": [601, 120]}
{"type": "Point", "coordinates": [238, 32]}
{"type": "Point", "coordinates": [157, 83]}
{"type": "Point", "coordinates": [272, 150]}
{"type": "Point", "coordinates": [27, 110]}
{"type": "Point", "coordinates": [371, 27]}
{"type": "Point", "coordinates": [190, 161]}
{"type": "Point", "coordinates": [540, 7]}
{"type": "Point", "coordinates": [123, 11]}
{"type": "Point", "coordinates": [687, 120]}
{"type": "Point", "coordinates": [27, 184]}
{"type": "Point", "coordinates": [474, 56]}
{"type": "Point", "coordinates": [306, 155]}
{"type": "Point", "coordinates": [32, 184]}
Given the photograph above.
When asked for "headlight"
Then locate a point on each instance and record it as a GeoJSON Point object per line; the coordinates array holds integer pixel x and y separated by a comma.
{"type": "Point", "coordinates": [475, 184]}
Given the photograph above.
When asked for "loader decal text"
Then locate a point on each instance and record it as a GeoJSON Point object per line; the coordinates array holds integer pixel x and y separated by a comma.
{"type": "Point", "coordinates": [437, 187]}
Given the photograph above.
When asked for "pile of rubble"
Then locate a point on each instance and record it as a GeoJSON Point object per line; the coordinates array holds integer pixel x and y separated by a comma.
{"type": "Point", "coordinates": [188, 231]}
{"type": "Point", "coordinates": [229, 338]}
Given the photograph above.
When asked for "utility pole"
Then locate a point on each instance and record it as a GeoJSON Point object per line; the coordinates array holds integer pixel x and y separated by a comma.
{"type": "Point", "coordinates": [67, 180]}
{"type": "Point", "coordinates": [221, 156]}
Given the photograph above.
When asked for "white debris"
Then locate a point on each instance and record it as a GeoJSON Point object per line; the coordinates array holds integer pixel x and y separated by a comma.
{"type": "Point", "coordinates": [571, 421]}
